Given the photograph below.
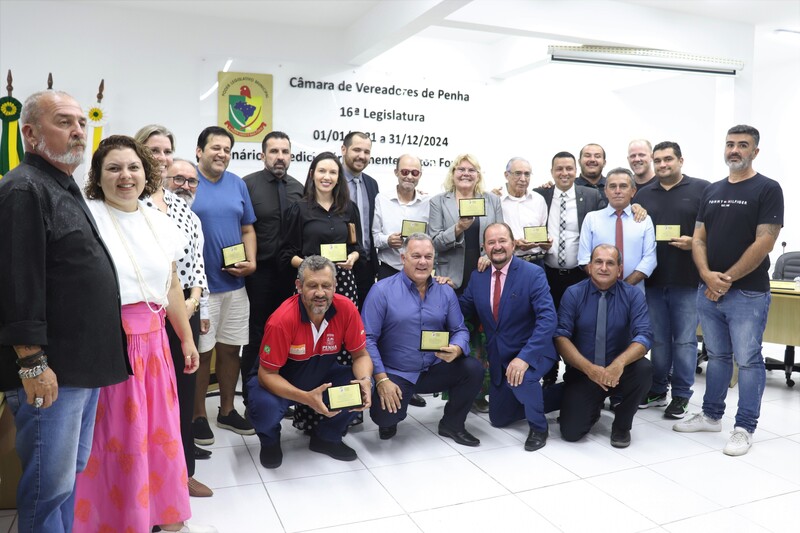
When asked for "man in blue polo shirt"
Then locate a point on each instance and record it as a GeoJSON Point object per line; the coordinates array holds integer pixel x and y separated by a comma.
{"type": "Point", "coordinates": [398, 309]}
{"type": "Point", "coordinates": [298, 363]}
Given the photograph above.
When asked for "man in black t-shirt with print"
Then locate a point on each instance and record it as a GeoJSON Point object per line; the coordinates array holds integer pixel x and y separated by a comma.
{"type": "Point", "coordinates": [738, 223]}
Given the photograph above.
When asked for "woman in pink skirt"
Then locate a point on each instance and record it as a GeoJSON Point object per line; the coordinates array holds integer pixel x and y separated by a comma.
{"type": "Point", "coordinates": [136, 475]}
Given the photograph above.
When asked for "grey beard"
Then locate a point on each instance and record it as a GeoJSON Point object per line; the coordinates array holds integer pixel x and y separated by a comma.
{"type": "Point", "coordinates": [185, 195]}
{"type": "Point", "coordinates": [69, 158]}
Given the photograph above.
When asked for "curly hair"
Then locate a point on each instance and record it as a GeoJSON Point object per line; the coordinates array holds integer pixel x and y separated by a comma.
{"type": "Point", "coordinates": [152, 174]}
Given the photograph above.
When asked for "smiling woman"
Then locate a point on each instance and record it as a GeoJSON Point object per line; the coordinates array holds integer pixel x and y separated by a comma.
{"type": "Point", "coordinates": [139, 418]}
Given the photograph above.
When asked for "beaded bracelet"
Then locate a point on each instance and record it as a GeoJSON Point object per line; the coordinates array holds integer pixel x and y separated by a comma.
{"type": "Point", "coordinates": [28, 373]}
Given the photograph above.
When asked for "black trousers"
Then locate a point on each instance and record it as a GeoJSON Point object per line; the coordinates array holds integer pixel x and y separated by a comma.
{"type": "Point", "coordinates": [364, 271]}
{"type": "Point", "coordinates": [560, 279]}
{"type": "Point", "coordinates": [462, 377]}
{"type": "Point", "coordinates": [185, 383]}
{"type": "Point", "coordinates": [386, 271]}
{"type": "Point", "coordinates": [267, 288]}
{"type": "Point", "coordinates": [583, 399]}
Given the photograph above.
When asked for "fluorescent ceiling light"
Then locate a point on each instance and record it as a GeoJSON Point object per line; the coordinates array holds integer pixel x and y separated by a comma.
{"type": "Point", "coordinates": [644, 58]}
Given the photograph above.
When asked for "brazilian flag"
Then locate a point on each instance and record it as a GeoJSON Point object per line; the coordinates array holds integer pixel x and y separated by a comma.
{"type": "Point", "coordinates": [10, 142]}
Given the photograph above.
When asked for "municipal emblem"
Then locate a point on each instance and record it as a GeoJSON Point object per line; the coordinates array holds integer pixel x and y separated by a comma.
{"type": "Point", "coordinates": [245, 104]}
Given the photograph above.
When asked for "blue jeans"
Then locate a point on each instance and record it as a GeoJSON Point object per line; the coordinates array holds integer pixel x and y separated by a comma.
{"type": "Point", "coordinates": [53, 445]}
{"type": "Point", "coordinates": [732, 330]}
{"type": "Point", "coordinates": [673, 316]}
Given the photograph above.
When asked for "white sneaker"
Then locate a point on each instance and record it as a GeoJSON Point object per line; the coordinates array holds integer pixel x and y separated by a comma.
{"type": "Point", "coordinates": [697, 422]}
{"type": "Point", "coordinates": [739, 443]}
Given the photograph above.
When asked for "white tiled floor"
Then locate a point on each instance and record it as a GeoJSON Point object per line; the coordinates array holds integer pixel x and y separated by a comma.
{"type": "Point", "coordinates": [420, 482]}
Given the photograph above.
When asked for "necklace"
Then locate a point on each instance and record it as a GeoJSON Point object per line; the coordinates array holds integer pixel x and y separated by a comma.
{"type": "Point", "coordinates": [144, 288]}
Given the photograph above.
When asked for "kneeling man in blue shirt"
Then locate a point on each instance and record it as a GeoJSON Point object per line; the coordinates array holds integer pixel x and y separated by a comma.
{"type": "Point", "coordinates": [396, 312]}
{"type": "Point", "coordinates": [603, 334]}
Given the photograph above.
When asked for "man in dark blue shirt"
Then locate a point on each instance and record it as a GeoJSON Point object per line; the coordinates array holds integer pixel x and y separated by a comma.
{"type": "Point", "coordinates": [603, 360]}
{"type": "Point", "coordinates": [397, 310]}
{"type": "Point", "coordinates": [672, 201]}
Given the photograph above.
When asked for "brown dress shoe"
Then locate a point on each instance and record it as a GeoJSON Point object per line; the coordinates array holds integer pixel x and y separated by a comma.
{"type": "Point", "coordinates": [198, 490]}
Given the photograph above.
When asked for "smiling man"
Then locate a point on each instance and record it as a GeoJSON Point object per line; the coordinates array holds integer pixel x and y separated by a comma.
{"type": "Point", "coordinates": [640, 159]}
{"type": "Point", "coordinates": [615, 225]}
{"type": "Point", "coordinates": [592, 159]}
{"type": "Point", "coordinates": [512, 301]}
{"type": "Point", "coordinates": [223, 206]}
{"type": "Point", "coordinates": [397, 312]}
{"type": "Point", "coordinates": [404, 203]}
{"type": "Point", "coordinates": [298, 363]}
{"type": "Point", "coordinates": [523, 208]}
{"type": "Point", "coordinates": [356, 151]}
{"type": "Point", "coordinates": [603, 334]}
{"type": "Point", "coordinates": [673, 201]}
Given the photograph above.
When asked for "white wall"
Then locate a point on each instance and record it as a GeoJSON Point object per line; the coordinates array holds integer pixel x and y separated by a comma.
{"type": "Point", "coordinates": [156, 65]}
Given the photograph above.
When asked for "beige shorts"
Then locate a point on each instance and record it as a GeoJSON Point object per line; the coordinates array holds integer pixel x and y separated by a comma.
{"type": "Point", "coordinates": [229, 313]}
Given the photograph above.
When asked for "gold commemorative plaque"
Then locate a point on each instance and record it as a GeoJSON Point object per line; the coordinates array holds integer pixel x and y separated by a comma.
{"type": "Point", "coordinates": [666, 232]}
{"type": "Point", "coordinates": [233, 254]}
{"type": "Point", "coordinates": [413, 226]}
{"type": "Point", "coordinates": [535, 233]}
{"type": "Point", "coordinates": [344, 397]}
{"type": "Point", "coordinates": [433, 341]}
{"type": "Point", "coordinates": [335, 252]}
{"type": "Point", "coordinates": [472, 207]}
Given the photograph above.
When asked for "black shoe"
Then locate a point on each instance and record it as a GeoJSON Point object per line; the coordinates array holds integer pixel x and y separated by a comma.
{"type": "Point", "coordinates": [536, 440]}
{"type": "Point", "coordinates": [677, 408]}
{"type": "Point", "coordinates": [387, 432]}
{"type": "Point", "coordinates": [462, 437]}
{"type": "Point", "coordinates": [234, 422]}
{"type": "Point", "coordinates": [417, 401]}
{"type": "Point", "coordinates": [200, 453]}
{"type": "Point", "coordinates": [337, 450]}
{"type": "Point", "coordinates": [620, 438]}
{"type": "Point", "coordinates": [289, 412]}
{"type": "Point", "coordinates": [271, 456]}
{"type": "Point", "coordinates": [201, 432]}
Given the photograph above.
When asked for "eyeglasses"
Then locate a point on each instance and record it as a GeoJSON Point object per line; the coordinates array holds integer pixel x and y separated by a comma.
{"type": "Point", "coordinates": [405, 172]}
{"type": "Point", "coordinates": [462, 170]}
{"type": "Point", "coordinates": [180, 180]}
{"type": "Point", "coordinates": [521, 173]}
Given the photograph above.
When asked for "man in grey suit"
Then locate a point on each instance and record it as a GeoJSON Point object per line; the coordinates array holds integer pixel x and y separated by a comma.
{"type": "Point", "coordinates": [570, 203]}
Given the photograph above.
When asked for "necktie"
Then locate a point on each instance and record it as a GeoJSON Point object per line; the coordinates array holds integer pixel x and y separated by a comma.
{"type": "Point", "coordinates": [283, 201]}
{"type": "Point", "coordinates": [363, 211]}
{"type": "Point", "coordinates": [497, 294]}
{"type": "Point", "coordinates": [618, 240]}
{"type": "Point", "coordinates": [600, 333]}
{"type": "Point", "coordinates": [562, 227]}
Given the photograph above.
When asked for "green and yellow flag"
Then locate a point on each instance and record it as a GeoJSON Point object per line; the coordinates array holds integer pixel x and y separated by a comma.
{"type": "Point", "coordinates": [11, 151]}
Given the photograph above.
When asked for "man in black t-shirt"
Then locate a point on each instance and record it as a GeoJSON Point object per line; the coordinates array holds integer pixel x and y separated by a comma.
{"type": "Point", "coordinates": [738, 223]}
{"type": "Point", "coordinates": [672, 201]}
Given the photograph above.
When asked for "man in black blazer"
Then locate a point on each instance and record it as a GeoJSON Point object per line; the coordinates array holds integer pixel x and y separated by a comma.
{"type": "Point", "coordinates": [363, 190]}
{"type": "Point", "coordinates": [561, 263]}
